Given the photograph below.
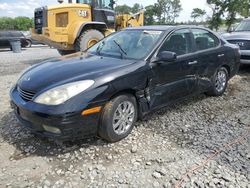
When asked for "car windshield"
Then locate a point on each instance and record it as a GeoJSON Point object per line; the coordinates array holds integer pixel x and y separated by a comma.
{"type": "Point", "coordinates": [243, 26]}
{"type": "Point", "coordinates": [130, 44]}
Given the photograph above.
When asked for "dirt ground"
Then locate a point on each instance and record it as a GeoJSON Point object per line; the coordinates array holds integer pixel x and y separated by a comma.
{"type": "Point", "coordinates": [158, 153]}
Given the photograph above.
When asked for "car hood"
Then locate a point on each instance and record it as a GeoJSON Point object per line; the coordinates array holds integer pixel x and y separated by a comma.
{"type": "Point", "coordinates": [68, 69]}
{"type": "Point", "coordinates": [237, 36]}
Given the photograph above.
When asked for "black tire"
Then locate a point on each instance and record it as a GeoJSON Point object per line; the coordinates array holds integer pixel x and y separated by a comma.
{"type": "Point", "coordinates": [106, 129]}
{"type": "Point", "coordinates": [28, 44]}
{"type": "Point", "coordinates": [214, 90]}
{"type": "Point", "coordinates": [65, 52]}
{"type": "Point", "coordinates": [83, 40]}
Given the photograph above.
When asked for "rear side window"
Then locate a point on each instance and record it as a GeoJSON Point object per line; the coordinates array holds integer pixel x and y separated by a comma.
{"type": "Point", "coordinates": [204, 39]}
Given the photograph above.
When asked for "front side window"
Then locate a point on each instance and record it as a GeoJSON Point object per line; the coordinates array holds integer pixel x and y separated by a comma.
{"type": "Point", "coordinates": [178, 42]}
{"type": "Point", "coordinates": [133, 44]}
{"type": "Point", "coordinates": [204, 39]}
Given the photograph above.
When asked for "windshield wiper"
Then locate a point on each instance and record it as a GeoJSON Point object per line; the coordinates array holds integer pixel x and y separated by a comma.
{"type": "Point", "coordinates": [99, 48]}
{"type": "Point", "coordinates": [122, 51]}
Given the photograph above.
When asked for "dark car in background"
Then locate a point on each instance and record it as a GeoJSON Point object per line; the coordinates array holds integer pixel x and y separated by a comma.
{"type": "Point", "coordinates": [30, 40]}
{"type": "Point", "coordinates": [104, 90]}
{"type": "Point", "coordinates": [241, 37]}
{"type": "Point", "coordinates": [7, 36]}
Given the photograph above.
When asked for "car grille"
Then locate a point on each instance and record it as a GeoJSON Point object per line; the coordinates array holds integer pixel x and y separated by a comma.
{"type": "Point", "coordinates": [40, 19]}
{"type": "Point", "coordinates": [243, 44]}
{"type": "Point", "coordinates": [245, 57]}
{"type": "Point", "coordinates": [25, 95]}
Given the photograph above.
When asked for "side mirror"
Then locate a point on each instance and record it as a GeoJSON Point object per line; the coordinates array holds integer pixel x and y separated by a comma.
{"type": "Point", "coordinates": [166, 56]}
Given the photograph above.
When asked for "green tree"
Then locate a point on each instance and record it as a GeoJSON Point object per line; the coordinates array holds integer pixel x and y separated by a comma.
{"type": "Point", "coordinates": [6, 23]}
{"type": "Point", "coordinates": [176, 9]}
{"type": "Point", "coordinates": [149, 15]}
{"type": "Point", "coordinates": [228, 8]}
{"type": "Point", "coordinates": [218, 8]}
{"type": "Point", "coordinates": [136, 8]}
{"type": "Point", "coordinates": [123, 9]}
{"type": "Point", "coordinates": [18, 23]}
{"type": "Point", "coordinates": [167, 11]}
{"type": "Point", "coordinates": [198, 13]}
{"type": "Point", "coordinates": [23, 23]}
{"type": "Point", "coordinates": [245, 12]}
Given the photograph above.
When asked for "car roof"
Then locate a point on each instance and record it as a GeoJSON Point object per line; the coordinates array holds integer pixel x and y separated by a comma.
{"type": "Point", "coordinates": [163, 27]}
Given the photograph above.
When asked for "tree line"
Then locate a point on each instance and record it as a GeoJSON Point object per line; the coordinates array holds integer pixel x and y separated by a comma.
{"type": "Point", "coordinates": [162, 12]}
{"type": "Point", "coordinates": [18, 23]}
{"type": "Point", "coordinates": [224, 12]}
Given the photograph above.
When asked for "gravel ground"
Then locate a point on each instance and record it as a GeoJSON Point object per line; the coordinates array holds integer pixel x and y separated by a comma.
{"type": "Point", "coordinates": [158, 153]}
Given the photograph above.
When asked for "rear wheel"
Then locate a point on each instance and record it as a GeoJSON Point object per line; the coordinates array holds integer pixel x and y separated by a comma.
{"type": "Point", "coordinates": [87, 39]}
{"type": "Point", "coordinates": [220, 82]}
{"type": "Point", "coordinates": [118, 119]}
{"type": "Point", "coordinates": [28, 44]}
{"type": "Point", "coordinates": [65, 52]}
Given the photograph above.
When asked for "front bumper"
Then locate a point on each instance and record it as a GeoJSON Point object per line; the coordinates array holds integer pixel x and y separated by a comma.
{"type": "Point", "coordinates": [72, 125]}
{"type": "Point", "coordinates": [245, 57]}
{"type": "Point", "coordinates": [55, 40]}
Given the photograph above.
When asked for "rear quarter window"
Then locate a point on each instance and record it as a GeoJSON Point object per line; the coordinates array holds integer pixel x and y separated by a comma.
{"type": "Point", "coordinates": [204, 39]}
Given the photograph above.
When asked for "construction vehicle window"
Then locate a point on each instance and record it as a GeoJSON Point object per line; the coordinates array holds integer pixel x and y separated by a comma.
{"type": "Point", "coordinates": [134, 44]}
{"type": "Point", "coordinates": [85, 1]}
{"type": "Point", "coordinates": [106, 4]}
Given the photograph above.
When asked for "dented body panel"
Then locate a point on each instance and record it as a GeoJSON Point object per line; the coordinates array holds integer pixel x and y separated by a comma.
{"type": "Point", "coordinates": [154, 84]}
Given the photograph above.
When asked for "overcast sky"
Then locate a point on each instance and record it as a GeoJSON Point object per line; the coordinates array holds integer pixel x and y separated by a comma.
{"type": "Point", "coordinates": [13, 8]}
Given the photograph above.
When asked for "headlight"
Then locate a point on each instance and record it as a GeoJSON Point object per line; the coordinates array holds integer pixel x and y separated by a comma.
{"type": "Point", "coordinates": [60, 94]}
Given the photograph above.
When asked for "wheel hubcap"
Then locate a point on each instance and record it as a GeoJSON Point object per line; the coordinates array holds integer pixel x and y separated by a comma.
{"type": "Point", "coordinates": [123, 117]}
{"type": "Point", "coordinates": [221, 80]}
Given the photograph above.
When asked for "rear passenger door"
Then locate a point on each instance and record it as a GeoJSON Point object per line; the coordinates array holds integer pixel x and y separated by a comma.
{"type": "Point", "coordinates": [210, 55]}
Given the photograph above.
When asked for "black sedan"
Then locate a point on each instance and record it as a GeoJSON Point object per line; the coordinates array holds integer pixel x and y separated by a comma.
{"type": "Point", "coordinates": [104, 90]}
{"type": "Point", "coordinates": [7, 36]}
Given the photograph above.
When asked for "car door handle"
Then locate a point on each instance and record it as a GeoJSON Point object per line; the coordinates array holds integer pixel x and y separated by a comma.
{"type": "Point", "coordinates": [192, 62]}
{"type": "Point", "coordinates": [221, 55]}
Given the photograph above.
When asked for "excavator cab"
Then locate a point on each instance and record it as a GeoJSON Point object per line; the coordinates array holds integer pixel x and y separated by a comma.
{"type": "Point", "coordinates": [102, 11]}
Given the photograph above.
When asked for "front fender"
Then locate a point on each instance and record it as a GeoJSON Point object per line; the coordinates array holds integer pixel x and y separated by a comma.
{"type": "Point", "coordinates": [76, 29]}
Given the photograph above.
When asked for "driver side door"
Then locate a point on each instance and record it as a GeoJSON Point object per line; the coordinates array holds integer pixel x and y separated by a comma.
{"type": "Point", "coordinates": [173, 80]}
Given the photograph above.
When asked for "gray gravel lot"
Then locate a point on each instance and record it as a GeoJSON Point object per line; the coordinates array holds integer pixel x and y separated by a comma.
{"type": "Point", "coordinates": [158, 153]}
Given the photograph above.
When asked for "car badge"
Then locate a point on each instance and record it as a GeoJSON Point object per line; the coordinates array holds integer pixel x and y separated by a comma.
{"type": "Point", "coordinates": [27, 79]}
{"type": "Point", "coordinates": [240, 44]}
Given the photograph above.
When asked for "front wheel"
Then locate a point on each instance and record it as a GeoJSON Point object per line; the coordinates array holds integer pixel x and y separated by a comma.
{"type": "Point", "coordinates": [87, 39]}
{"type": "Point", "coordinates": [220, 82]}
{"type": "Point", "coordinates": [118, 118]}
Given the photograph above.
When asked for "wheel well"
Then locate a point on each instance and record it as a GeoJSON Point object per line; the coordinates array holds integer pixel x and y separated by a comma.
{"type": "Point", "coordinates": [126, 91]}
{"type": "Point", "coordinates": [228, 69]}
{"type": "Point", "coordinates": [88, 26]}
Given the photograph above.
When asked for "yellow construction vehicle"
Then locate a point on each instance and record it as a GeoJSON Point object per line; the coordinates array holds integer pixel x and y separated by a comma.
{"type": "Point", "coordinates": [77, 26]}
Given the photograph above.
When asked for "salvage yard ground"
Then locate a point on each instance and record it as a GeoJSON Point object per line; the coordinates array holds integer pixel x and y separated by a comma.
{"type": "Point", "coordinates": [160, 150]}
